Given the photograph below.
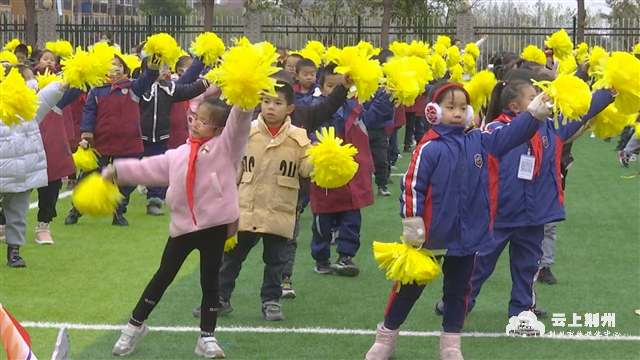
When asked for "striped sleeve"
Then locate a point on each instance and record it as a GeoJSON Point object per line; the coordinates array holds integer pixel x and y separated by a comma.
{"type": "Point", "coordinates": [416, 180]}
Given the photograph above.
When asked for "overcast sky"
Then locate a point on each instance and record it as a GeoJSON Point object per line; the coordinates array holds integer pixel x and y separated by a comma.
{"type": "Point", "coordinates": [591, 4]}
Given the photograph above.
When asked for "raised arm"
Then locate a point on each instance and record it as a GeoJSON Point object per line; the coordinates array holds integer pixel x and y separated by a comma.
{"type": "Point", "coordinates": [48, 97]}
{"type": "Point", "coordinates": [192, 73]}
{"type": "Point", "coordinates": [189, 91]}
{"type": "Point", "coordinates": [153, 170]}
{"type": "Point", "coordinates": [320, 113]}
{"type": "Point", "coordinates": [599, 101]}
{"type": "Point", "coordinates": [379, 112]}
{"type": "Point", "coordinates": [236, 133]}
{"type": "Point", "coordinates": [499, 139]}
{"type": "Point", "coordinates": [140, 85]}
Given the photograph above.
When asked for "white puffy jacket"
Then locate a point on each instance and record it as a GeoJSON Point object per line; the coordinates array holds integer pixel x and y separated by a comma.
{"type": "Point", "coordinates": [23, 164]}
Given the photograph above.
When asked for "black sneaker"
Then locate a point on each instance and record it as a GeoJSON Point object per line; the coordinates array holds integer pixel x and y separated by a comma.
{"type": "Point", "coordinates": [119, 220]}
{"type": "Point", "coordinates": [439, 309]}
{"type": "Point", "coordinates": [13, 257]}
{"type": "Point", "coordinates": [323, 267]}
{"type": "Point", "coordinates": [271, 311]}
{"type": "Point", "coordinates": [545, 276]}
{"type": "Point", "coordinates": [345, 267]}
{"type": "Point", "coordinates": [382, 191]}
{"type": "Point", "coordinates": [73, 217]}
{"type": "Point", "coordinates": [408, 148]}
{"type": "Point", "coordinates": [540, 314]}
{"type": "Point", "coordinates": [224, 309]}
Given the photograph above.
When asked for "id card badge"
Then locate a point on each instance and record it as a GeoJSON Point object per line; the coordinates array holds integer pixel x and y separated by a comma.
{"type": "Point", "coordinates": [525, 170]}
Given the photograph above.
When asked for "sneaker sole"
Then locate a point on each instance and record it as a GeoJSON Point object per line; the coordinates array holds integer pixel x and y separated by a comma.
{"type": "Point", "coordinates": [133, 348]}
{"type": "Point", "coordinates": [288, 295]}
{"type": "Point", "coordinates": [273, 318]}
{"type": "Point", "coordinates": [346, 271]}
{"type": "Point", "coordinates": [202, 354]}
{"type": "Point", "coordinates": [44, 242]}
{"type": "Point", "coordinates": [323, 272]}
{"type": "Point", "coordinates": [17, 266]}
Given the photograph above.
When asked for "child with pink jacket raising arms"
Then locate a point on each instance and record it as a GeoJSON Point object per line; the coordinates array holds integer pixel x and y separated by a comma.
{"type": "Point", "coordinates": [203, 200]}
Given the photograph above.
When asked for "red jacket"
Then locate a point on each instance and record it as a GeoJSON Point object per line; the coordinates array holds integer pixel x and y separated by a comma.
{"type": "Point", "coordinates": [358, 193]}
{"type": "Point", "coordinates": [56, 147]}
{"type": "Point", "coordinates": [179, 132]}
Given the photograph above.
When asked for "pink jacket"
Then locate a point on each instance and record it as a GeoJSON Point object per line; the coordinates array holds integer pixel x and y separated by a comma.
{"type": "Point", "coordinates": [215, 191]}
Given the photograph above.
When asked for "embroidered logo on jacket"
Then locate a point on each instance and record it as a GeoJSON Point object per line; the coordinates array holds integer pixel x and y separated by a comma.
{"type": "Point", "coordinates": [545, 141]}
{"type": "Point", "coordinates": [478, 160]}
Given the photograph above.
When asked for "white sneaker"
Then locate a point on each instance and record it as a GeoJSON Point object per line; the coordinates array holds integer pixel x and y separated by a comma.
{"type": "Point", "coordinates": [208, 348]}
{"type": "Point", "coordinates": [130, 336]}
{"type": "Point", "coordinates": [633, 158]}
{"type": "Point", "coordinates": [43, 234]}
{"type": "Point", "coordinates": [2, 236]}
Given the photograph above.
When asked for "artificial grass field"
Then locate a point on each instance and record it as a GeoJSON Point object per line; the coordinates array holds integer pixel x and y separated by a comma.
{"type": "Point", "coordinates": [95, 273]}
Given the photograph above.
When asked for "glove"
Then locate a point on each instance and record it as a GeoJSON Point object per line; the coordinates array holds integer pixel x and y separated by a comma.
{"type": "Point", "coordinates": [87, 140]}
{"type": "Point", "coordinates": [413, 231]}
{"type": "Point", "coordinates": [539, 107]}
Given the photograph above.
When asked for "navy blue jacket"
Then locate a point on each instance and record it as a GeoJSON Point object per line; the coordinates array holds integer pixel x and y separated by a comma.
{"type": "Point", "coordinates": [541, 200]}
{"type": "Point", "coordinates": [447, 183]}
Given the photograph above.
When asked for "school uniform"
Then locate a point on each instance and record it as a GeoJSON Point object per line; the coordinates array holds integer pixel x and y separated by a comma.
{"type": "Point", "coordinates": [339, 208]}
{"type": "Point", "coordinates": [307, 98]}
{"type": "Point", "coordinates": [448, 186]}
{"type": "Point", "coordinates": [528, 197]}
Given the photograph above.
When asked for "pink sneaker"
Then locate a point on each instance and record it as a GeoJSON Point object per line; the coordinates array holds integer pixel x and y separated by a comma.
{"type": "Point", "coordinates": [385, 346]}
{"type": "Point", "coordinates": [450, 346]}
{"type": "Point", "coordinates": [43, 234]}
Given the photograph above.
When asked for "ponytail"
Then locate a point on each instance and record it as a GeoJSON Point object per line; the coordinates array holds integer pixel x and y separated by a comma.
{"type": "Point", "coordinates": [504, 93]}
{"type": "Point", "coordinates": [495, 105]}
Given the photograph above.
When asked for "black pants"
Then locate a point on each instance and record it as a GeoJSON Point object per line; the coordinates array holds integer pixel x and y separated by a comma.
{"type": "Point", "coordinates": [274, 256]}
{"type": "Point", "coordinates": [379, 144]}
{"type": "Point", "coordinates": [457, 271]}
{"type": "Point", "coordinates": [210, 243]}
{"type": "Point", "coordinates": [409, 129]}
{"type": "Point", "coordinates": [47, 200]}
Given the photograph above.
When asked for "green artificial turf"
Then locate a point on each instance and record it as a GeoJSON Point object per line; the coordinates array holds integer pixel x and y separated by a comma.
{"type": "Point", "coordinates": [95, 273]}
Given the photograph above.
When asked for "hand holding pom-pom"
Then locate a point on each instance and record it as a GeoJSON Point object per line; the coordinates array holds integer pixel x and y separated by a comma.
{"type": "Point", "coordinates": [109, 173]}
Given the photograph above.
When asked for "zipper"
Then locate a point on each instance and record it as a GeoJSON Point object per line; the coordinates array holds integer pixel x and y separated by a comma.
{"type": "Point", "coordinates": [155, 116]}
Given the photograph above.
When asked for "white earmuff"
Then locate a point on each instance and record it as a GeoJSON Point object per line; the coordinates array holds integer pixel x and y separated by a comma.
{"type": "Point", "coordinates": [433, 113]}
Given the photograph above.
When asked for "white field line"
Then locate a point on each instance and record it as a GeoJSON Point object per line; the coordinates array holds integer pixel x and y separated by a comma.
{"type": "Point", "coordinates": [306, 330]}
{"type": "Point", "coordinates": [62, 195]}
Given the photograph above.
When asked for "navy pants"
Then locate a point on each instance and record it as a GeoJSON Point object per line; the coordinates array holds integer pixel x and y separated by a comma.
{"type": "Point", "coordinates": [152, 149]}
{"type": "Point", "coordinates": [346, 223]}
{"type": "Point", "coordinates": [457, 271]}
{"type": "Point", "coordinates": [525, 251]}
{"type": "Point", "coordinates": [421, 128]}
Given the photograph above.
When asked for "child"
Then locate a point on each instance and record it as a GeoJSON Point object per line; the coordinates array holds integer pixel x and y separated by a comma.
{"type": "Point", "coordinates": [292, 62]}
{"type": "Point", "coordinates": [46, 60]}
{"type": "Point", "coordinates": [528, 197]}
{"type": "Point", "coordinates": [339, 208]}
{"type": "Point", "coordinates": [276, 159]}
{"type": "Point", "coordinates": [111, 124]}
{"type": "Point", "coordinates": [24, 167]}
{"type": "Point", "coordinates": [306, 85]}
{"type": "Point", "coordinates": [630, 149]}
{"type": "Point", "coordinates": [22, 53]}
{"type": "Point", "coordinates": [445, 207]}
{"type": "Point", "coordinates": [203, 201]}
{"type": "Point", "coordinates": [155, 118]}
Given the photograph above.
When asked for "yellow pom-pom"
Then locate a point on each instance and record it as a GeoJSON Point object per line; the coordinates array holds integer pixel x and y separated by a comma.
{"type": "Point", "coordinates": [456, 74]}
{"type": "Point", "coordinates": [399, 49]}
{"type": "Point", "coordinates": [30, 49]}
{"type": "Point", "coordinates": [582, 53]}
{"type": "Point", "coordinates": [401, 81]}
{"type": "Point", "coordinates": [453, 57]}
{"type": "Point", "coordinates": [11, 45]}
{"type": "Point", "coordinates": [164, 47]}
{"type": "Point", "coordinates": [406, 264]}
{"type": "Point", "coordinates": [60, 48]}
{"type": "Point", "coordinates": [245, 73]}
{"type": "Point", "coordinates": [367, 47]}
{"type": "Point", "coordinates": [333, 163]}
{"type": "Point", "coordinates": [469, 64]}
{"type": "Point", "coordinates": [597, 58]}
{"type": "Point", "coordinates": [438, 66]}
{"type": "Point", "coordinates": [421, 69]}
{"type": "Point", "coordinates": [364, 72]}
{"type": "Point", "coordinates": [622, 72]}
{"type": "Point", "coordinates": [243, 41]}
{"type": "Point", "coordinates": [209, 47]}
{"type": "Point", "coordinates": [533, 53]}
{"type": "Point", "coordinates": [314, 51]}
{"type": "Point", "coordinates": [636, 49]}
{"type": "Point", "coordinates": [46, 79]}
{"type": "Point", "coordinates": [567, 66]}
{"type": "Point", "coordinates": [311, 55]}
{"type": "Point", "coordinates": [96, 196]}
{"type": "Point", "coordinates": [230, 243]}
{"type": "Point", "coordinates": [9, 57]}
{"type": "Point", "coordinates": [610, 122]}
{"type": "Point", "coordinates": [17, 101]}
{"type": "Point", "coordinates": [86, 159]}
{"type": "Point", "coordinates": [472, 49]}
{"type": "Point", "coordinates": [333, 53]}
{"type": "Point", "coordinates": [133, 62]}
{"type": "Point", "coordinates": [480, 87]}
{"type": "Point", "coordinates": [444, 41]}
{"type": "Point", "coordinates": [419, 49]}
{"type": "Point", "coordinates": [571, 96]}
{"type": "Point", "coordinates": [561, 44]}
{"type": "Point", "coordinates": [87, 68]}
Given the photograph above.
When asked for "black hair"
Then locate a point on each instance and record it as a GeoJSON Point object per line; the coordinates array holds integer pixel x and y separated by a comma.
{"type": "Point", "coordinates": [287, 90]}
{"type": "Point", "coordinates": [284, 76]}
{"type": "Point", "coordinates": [21, 68]}
{"type": "Point", "coordinates": [328, 70]}
{"type": "Point", "coordinates": [305, 63]}
{"type": "Point", "coordinates": [504, 93]}
{"type": "Point", "coordinates": [22, 49]}
{"type": "Point", "coordinates": [125, 68]}
{"type": "Point", "coordinates": [441, 96]}
{"type": "Point", "coordinates": [530, 65]}
{"type": "Point", "coordinates": [182, 60]}
{"type": "Point", "coordinates": [44, 51]}
{"type": "Point", "coordinates": [107, 34]}
{"type": "Point", "coordinates": [454, 41]}
{"type": "Point", "coordinates": [220, 110]}
{"type": "Point", "coordinates": [295, 55]}
{"type": "Point", "coordinates": [384, 56]}
{"type": "Point", "coordinates": [506, 62]}
{"type": "Point", "coordinates": [522, 74]}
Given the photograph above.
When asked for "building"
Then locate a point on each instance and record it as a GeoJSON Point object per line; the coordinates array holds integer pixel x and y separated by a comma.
{"type": "Point", "coordinates": [79, 8]}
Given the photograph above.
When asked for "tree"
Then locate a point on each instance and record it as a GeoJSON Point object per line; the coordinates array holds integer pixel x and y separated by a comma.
{"type": "Point", "coordinates": [582, 20]}
{"type": "Point", "coordinates": [208, 14]}
{"type": "Point", "coordinates": [387, 6]}
{"type": "Point", "coordinates": [165, 8]}
{"type": "Point", "coordinates": [624, 9]}
{"type": "Point", "coordinates": [30, 22]}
